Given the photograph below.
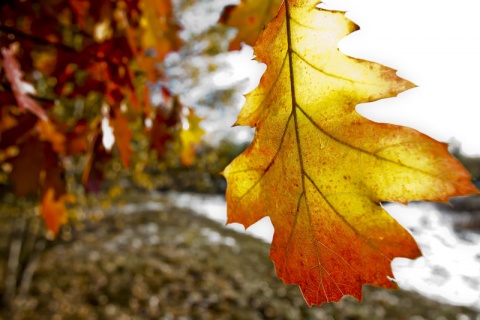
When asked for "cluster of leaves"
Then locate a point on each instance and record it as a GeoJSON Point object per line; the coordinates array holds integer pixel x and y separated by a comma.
{"type": "Point", "coordinates": [315, 166]}
{"type": "Point", "coordinates": [76, 76]}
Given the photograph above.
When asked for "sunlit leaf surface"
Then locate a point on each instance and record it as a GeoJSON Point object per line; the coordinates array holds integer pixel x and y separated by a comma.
{"type": "Point", "coordinates": [319, 170]}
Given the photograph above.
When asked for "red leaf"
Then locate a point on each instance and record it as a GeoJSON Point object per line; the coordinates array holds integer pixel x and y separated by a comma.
{"type": "Point", "coordinates": [161, 134]}
{"type": "Point", "coordinates": [80, 9]}
{"type": "Point", "coordinates": [163, 128]}
{"type": "Point", "coordinates": [11, 136]}
{"type": "Point", "coordinates": [26, 168]}
{"type": "Point", "coordinates": [92, 177]}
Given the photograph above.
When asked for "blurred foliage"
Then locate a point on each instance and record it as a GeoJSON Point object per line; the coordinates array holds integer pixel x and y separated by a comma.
{"type": "Point", "coordinates": [99, 102]}
{"type": "Point", "coordinates": [77, 76]}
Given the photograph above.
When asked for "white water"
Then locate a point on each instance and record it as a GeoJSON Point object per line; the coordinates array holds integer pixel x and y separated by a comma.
{"type": "Point", "coordinates": [449, 270]}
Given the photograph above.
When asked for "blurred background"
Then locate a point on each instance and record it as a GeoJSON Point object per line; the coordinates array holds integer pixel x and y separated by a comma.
{"type": "Point", "coordinates": [151, 242]}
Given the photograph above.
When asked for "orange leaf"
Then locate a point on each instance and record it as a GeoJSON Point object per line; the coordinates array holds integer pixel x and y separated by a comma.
{"type": "Point", "coordinates": [76, 139]}
{"type": "Point", "coordinates": [122, 135]}
{"type": "Point", "coordinates": [320, 170]}
{"type": "Point", "coordinates": [249, 17]}
{"type": "Point", "coordinates": [53, 210]}
{"type": "Point", "coordinates": [48, 132]}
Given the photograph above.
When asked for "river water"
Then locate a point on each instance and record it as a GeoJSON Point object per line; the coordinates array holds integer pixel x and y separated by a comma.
{"type": "Point", "coordinates": [448, 271]}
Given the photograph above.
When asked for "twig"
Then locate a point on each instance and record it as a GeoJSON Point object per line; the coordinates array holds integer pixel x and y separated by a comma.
{"type": "Point", "coordinates": [38, 40]}
{"type": "Point", "coordinates": [14, 260]}
{"type": "Point", "coordinates": [30, 269]}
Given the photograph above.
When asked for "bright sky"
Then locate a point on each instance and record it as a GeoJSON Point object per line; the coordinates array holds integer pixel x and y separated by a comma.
{"type": "Point", "coordinates": [436, 45]}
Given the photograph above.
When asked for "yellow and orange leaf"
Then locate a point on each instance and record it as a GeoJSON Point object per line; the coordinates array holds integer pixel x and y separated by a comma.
{"type": "Point", "coordinates": [249, 17]}
{"type": "Point", "coordinates": [320, 170]}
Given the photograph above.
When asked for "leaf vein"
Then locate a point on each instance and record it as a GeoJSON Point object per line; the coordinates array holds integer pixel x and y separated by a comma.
{"type": "Point", "coordinates": [338, 214]}
{"type": "Point", "coordinates": [270, 163]}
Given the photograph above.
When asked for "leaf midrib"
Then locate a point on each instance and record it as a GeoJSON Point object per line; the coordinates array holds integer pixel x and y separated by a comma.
{"type": "Point", "coordinates": [291, 52]}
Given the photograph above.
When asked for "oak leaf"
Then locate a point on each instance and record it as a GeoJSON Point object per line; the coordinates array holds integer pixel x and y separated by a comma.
{"type": "Point", "coordinates": [320, 170]}
{"type": "Point", "coordinates": [248, 17]}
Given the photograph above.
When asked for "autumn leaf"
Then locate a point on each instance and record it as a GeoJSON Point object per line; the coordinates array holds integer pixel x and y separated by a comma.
{"type": "Point", "coordinates": [161, 134]}
{"type": "Point", "coordinates": [160, 27]}
{"type": "Point", "coordinates": [20, 88]}
{"type": "Point", "coordinates": [36, 168]}
{"type": "Point", "coordinates": [97, 157]}
{"type": "Point", "coordinates": [319, 170]}
{"type": "Point", "coordinates": [248, 17]}
{"type": "Point", "coordinates": [53, 172]}
{"type": "Point", "coordinates": [76, 138]}
{"type": "Point", "coordinates": [7, 121]}
{"type": "Point", "coordinates": [190, 137]}
{"type": "Point", "coordinates": [122, 135]}
{"type": "Point", "coordinates": [15, 135]}
{"type": "Point", "coordinates": [26, 167]}
{"type": "Point", "coordinates": [53, 210]}
{"type": "Point", "coordinates": [165, 123]}
{"type": "Point", "coordinates": [80, 9]}
{"type": "Point", "coordinates": [48, 132]}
